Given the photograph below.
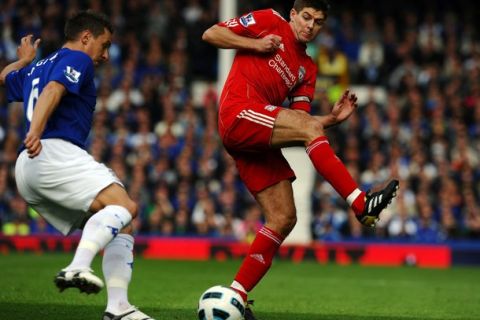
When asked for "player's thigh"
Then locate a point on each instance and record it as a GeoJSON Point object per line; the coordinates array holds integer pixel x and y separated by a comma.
{"type": "Point", "coordinates": [64, 174]}
{"type": "Point", "coordinates": [114, 194]}
{"type": "Point", "coordinates": [248, 127]}
{"type": "Point", "coordinates": [63, 219]}
{"type": "Point", "coordinates": [294, 128]}
{"type": "Point", "coordinates": [260, 170]}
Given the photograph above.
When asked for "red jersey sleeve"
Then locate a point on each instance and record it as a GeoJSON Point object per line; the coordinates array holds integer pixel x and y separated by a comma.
{"type": "Point", "coordinates": [255, 24]}
{"type": "Point", "coordinates": [302, 96]}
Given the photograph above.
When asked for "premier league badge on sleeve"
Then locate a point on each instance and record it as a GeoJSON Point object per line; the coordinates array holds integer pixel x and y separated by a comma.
{"type": "Point", "coordinates": [72, 75]}
{"type": "Point", "coordinates": [247, 20]}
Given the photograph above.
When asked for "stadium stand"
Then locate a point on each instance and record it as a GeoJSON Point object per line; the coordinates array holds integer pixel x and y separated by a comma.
{"type": "Point", "coordinates": [416, 66]}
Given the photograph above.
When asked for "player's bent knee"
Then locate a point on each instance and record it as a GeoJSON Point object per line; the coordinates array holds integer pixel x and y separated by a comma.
{"type": "Point", "coordinates": [119, 208]}
{"type": "Point", "coordinates": [132, 207]}
{"type": "Point", "coordinates": [283, 224]}
{"type": "Point", "coordinates": [290, 223]}
{"type": "Point", "coordinates": [315, 128]}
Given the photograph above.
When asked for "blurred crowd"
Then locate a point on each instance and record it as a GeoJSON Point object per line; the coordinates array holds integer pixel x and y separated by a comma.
{"type": "Point", "coordinates": [161, 139]}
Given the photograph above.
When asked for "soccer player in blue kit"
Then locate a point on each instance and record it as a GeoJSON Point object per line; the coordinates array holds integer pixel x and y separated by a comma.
{"type": "Point", "coordinates": [55, 174]}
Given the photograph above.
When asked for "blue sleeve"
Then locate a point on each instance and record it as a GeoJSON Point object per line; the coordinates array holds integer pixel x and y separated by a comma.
{"type": "Point", "coordinates": [73, 70]}
{"type": "Point", "coordinates": [14, 84]}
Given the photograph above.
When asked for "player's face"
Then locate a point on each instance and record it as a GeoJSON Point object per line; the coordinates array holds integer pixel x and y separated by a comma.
{"type": "Point", "coordinates": [307, 23]}
{"type": "Point", "coordinates": [97, 47]}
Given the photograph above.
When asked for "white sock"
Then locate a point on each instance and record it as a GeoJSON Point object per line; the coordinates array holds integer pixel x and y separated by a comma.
{"type": "Point", "coordinates": [353, 196]}
{"type": "Point", "coordinates": [99, 230]}
{"type": "Point", "coordinates": [238, 286]}
{"type": "Point", "coordinates": [117, 269]}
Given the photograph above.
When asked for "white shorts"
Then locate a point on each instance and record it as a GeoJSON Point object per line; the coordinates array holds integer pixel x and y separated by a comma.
{"type": "Point", "coordinates": [62, 182]}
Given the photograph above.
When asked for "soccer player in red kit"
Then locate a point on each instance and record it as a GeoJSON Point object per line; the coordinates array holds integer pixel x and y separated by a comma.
{"type": "Point", "coordinates": [270, 66]}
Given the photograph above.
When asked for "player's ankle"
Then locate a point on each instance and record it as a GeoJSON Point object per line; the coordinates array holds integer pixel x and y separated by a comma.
{"type": "Point", "coordinates": [243, 294]}
{"type": "Point", "coordinates": [358, 205]}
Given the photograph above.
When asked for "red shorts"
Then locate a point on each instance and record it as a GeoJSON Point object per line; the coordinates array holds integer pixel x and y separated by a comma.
{"type": "Point", "coordinates": [246, 133]}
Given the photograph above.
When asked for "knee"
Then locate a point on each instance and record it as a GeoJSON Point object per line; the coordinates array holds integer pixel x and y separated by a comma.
{"type": "Point", "coordinates": [314, 129]}
{"type": "Point", "coordinates": [132, 207]}
{"type": "Point", "coordinates": [289, 223]}
{"type": "Point", "coordinates": [283, 223]}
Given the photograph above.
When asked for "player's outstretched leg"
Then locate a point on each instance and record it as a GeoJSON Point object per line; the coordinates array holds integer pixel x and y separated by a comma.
{"type": "Point", "coordinates": [131, 313]}
{"type": "Point", "coordinates": [84, 280]}
{"type": "Point", "coordinates": [375, 202]}
{"type": "Point", "coordinates": [367, 206]}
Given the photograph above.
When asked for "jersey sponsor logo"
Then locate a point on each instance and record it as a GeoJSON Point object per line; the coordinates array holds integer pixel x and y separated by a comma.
{"type": "Point", "coordinates": [270, 108]}
{"type": "Point", "coordinates": [280, 66]}
{"type": "Point", "coordinates": [247, 20]}
{"type": "Point", "coordinates": [72, 75]}
{"type": "Point", "coordinates": [282, 47]}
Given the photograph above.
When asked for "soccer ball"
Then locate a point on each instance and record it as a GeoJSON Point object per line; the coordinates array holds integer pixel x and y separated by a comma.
{"type": "Point", "coordinates": [220, 303]}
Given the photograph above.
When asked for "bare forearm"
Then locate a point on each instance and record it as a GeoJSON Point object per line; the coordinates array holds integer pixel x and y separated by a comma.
{"type": "Point", "coordinates": [17, 65]}
{"type": "Point", "coordinates": [327, 121]}
{"type": "Point", "coordinates": [46, 104]}
{"type": "Point", "coordinates": [222, 37]}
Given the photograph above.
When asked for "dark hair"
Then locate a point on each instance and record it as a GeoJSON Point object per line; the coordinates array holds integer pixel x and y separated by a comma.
{"type": "Point", "coordinates": [321, 5]}
{"type": "Point", "coordinates": [95, 22]}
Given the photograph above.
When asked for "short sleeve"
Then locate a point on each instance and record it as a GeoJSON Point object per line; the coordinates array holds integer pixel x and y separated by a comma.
{"type": "Point", "coordinates": [73, 70]}
{"type": "Point", "coordinates": [302, 96]}
{"type": "Point", "coordinates": [14, 84]}
{"type": "Point", "coordinates": [255, 24]}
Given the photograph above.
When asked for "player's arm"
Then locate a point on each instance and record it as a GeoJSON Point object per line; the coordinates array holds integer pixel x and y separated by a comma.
{"type": "Point", "coordinates": [224, 38]}
{"type": "Point", "coordinates": [46, 104]}
{"type": "Point", "coordinates": [341, 110]}
{"type": "Point", "coordinates": [302, 97]}
{"type": "Point", "coordinates": [26, 52]}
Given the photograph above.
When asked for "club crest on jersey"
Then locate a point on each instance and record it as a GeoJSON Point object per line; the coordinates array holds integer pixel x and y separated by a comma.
{"type": "Point", "coordinates": [247, 20]}
{"type": "Point", "coordinates": [270, 108]}
{"type": "Point", "coordinates": [301, 73]}
{"type": "Point", "coordinates": [72, 75]}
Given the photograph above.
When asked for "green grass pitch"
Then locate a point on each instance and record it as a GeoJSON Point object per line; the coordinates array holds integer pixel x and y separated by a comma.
{"type": "Point", "coordinates": [305, 291]}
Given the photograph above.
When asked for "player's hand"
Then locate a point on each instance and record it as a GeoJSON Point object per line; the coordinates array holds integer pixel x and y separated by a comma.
{"type": "Point", "coordinates": [344, 107]}
{"type": "Point", "coordinates": [32, 144]}
{"type": "Point", "coordinates": [269, 43]}
{"type": "Point", "coordinates": [27, 50]}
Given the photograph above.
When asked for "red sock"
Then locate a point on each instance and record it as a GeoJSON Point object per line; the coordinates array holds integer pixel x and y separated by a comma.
{"type": "Point", "coordinates": [258, 260]}
{"type": "Point", "coordinates": [334, 171]}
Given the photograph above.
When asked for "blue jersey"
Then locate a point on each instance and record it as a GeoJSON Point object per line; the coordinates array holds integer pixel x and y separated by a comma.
{"type": "Point", "coordinates": [72, 119]}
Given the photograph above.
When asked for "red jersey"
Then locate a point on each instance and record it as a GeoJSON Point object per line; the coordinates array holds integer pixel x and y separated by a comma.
{"type": "Point", "coordinates": [269, 78]}
{"type": "Point", "coordinates": [257, 84]}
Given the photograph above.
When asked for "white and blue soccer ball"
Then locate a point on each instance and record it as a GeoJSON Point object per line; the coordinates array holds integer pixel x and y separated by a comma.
{"type": "Point", "coordinates": [220, 303]}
